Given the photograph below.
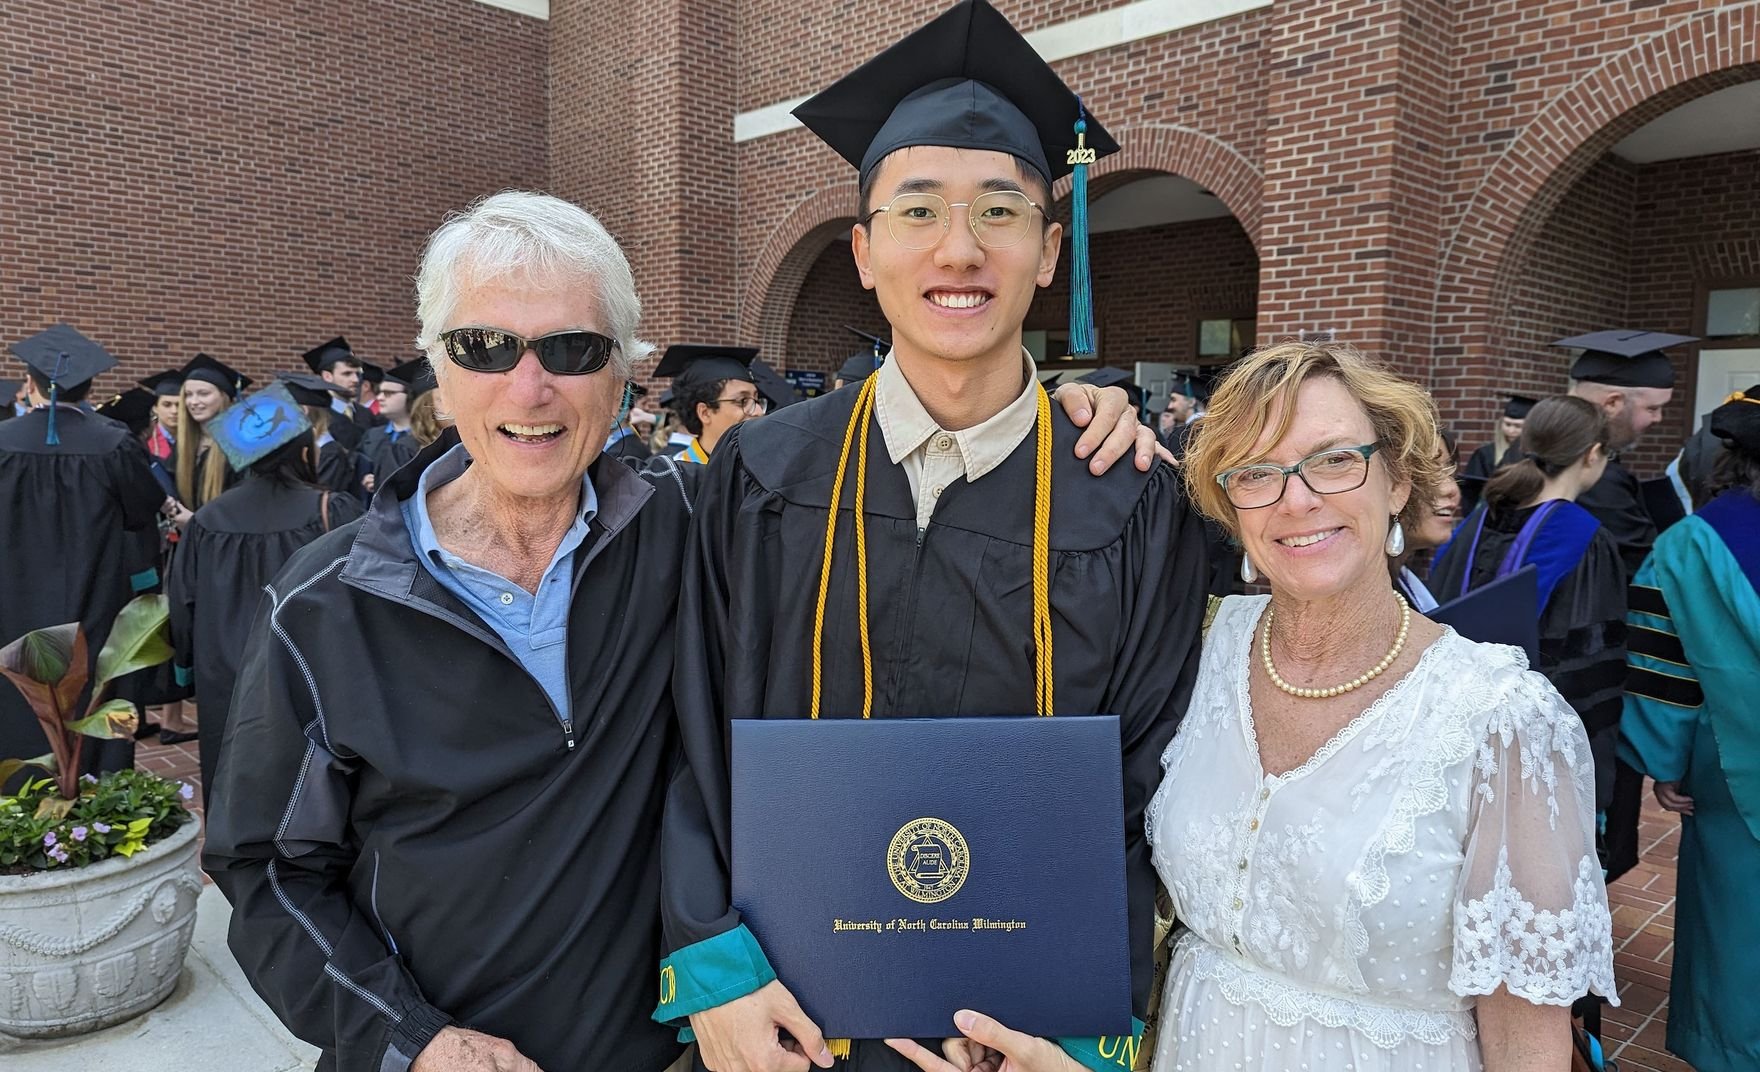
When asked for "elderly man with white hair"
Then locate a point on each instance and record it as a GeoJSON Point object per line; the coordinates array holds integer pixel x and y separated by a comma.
{"type": "Point", "coordinates": [453, 865]}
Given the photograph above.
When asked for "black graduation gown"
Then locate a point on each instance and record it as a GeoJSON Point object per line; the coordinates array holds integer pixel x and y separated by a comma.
{"type": "Point", "coordinates": [631, 449]}
{"type": "Point", "coordinates": [227, 482]}
{"type": "Point", "coordinates": [1479, 468]}
{"type": "Point", "coordinates": [387, 455]}
{"type": "Point", "coordinates": [950, 612]}
{"type": "Point", "coordinates": [1699, 464]}
{"type": "Point", "coordinates": [230, 550]}
{"type": "Point", "coordinates": [69, 543]}
{"type": "Point", "coordinates": [1617, 501]}
{"type": "Point", "coordinates": [337, 468]}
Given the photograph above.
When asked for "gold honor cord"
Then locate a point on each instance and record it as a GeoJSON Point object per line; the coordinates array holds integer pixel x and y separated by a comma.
{"type": "Point", "coordinates": [855, 439]}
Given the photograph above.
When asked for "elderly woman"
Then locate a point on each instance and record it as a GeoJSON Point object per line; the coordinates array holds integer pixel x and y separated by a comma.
{"type": "Point", "coordinates": [1378, 835]}
{"type": "Point", "coordinates": [471, 834]}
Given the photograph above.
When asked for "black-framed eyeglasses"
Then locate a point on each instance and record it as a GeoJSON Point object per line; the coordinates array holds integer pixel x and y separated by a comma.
{"type": "Point", "coordinates": [750, 404]}
{"type": "Point", "coordinates": [1327, 472]}
{"type": "Point", "coordinates": [565, 353]}
{"type": "Point", "coordinates": [998, 219]}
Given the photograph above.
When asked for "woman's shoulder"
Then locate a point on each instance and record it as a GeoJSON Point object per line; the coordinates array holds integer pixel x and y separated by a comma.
{"type": "Point", "coordinates": [1492, 688]}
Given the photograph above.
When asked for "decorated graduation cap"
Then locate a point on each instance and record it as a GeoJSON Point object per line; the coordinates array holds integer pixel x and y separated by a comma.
{"type": "Point", "coordinates": [307, 389]}
{"type": "Point", "coordinates": [265, 422]}
{"type": "Point", "coordinates": [216, 373]}
{"type": "Point", "coordinates": [133, 407]}
{"type": "Point", "coordinates": [776, 390]}
{"type": "Point", "coordinates": [968, 80]}
{"type": "Point", "coordinates": [167, 383]}
{"type": "Point", "coordinates": [1624, 358]}
{"type": "Point", "coordinates": [1737, 421]}
{"type": "Point", "coordinates": [1516, 407]}
{"type": "Point", "coordinates": [692, 363]}
{"type": "Point", "coordinates": [326, 356]}
{"type": "Point", "coordinates": [416, 376]}
{"type": "Point", "coordinates": [64, 359]}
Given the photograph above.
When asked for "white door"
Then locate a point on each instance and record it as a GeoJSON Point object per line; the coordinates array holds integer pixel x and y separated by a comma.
{"type": "Point", "coordinates": [1721, 374]}
{"type": "Point", "coordinates": [1154, 377]}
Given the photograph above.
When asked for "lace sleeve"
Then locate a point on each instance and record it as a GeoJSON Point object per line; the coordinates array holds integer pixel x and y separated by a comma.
{"type": "Point", "coordinates": [1531, 909]}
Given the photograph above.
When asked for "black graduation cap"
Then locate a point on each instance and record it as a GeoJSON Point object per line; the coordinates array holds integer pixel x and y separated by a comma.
{"type": "Point", "coordinates": [133, 407]}
{"type": "Point", "coordinates": [778, 391]}
{"type": "Point", "coordinates": [1115, 377]}
{"type": "Point", "coordinates": [968, 80]}
{"type": "Point", "coordinates": [8, 391]}
{"type": "Point", "coordinates": [859, 368]}
{"type": "Point", "coordinates": [1192, 385]}
{"type": "Point", "coordinates": [666, 399]}
{"type": "Point", "coordinates": [169, 382]}
{"type": "Point", "coordinates": [1625, 358]}
{"type": "Point", "coordinates": [373, 374]}
{"type": "Point", "coordinates": [218, 373]}
{"type": "Point", "coordinates": [63, 356]}
{"type": "Point", "coordinates": [1517, 407]}
{"type": "Point", "coordinates": [307, 389]}
{"type": "Point", "coordinates": [698, 363]}
{"type": "Point", "coordinates": [324, 356]}
{"type": "Point", "coordinates": [1737, 421]}
{"type": "Point", "coordinates": [417, 376]}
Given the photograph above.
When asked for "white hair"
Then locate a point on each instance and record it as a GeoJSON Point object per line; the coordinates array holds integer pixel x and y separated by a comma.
{"type": "Point", "coordinates": [540, 238]}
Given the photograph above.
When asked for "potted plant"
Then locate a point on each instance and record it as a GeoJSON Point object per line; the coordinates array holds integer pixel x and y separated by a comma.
{"type": "Point", "coordinates": [98, 876]}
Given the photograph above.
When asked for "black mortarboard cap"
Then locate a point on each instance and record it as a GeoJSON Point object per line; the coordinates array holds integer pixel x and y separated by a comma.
{"type": "Point", "coordinates": [263, 423]}
{"type": "Point", "coordinates": [307, 389]}
{"type": "Point", "coordinates": [325, 355]}
{"type": "Point", "coordinates": [63, 356]}
{"type": "Point", "coordinates": [859, 368]}
{"type": "Point", "coordinates": [133, 407]}
{"type": "Point", "coordinates": [373, 374]}
{"type": "Point", "coordinates": [1192, 385]}
{"type": "Point", "coordinates": [699, 363]}
{"type": "Point", "coordinates": [1737, 421]}
{"type": "Point", "coordinates": [778, 391]}
{"type": "Point", "coordinates": [1624, 358]}
{"type": "Point", "coordinates": [666, 399]}
{"type": "Point", "coordinates": [1115, 377]}
{"type": "Point", "coordinates": [211, 370]}
{"type": "Point", "coordinates": [879, 345]}
{"type": "Point", "coordinates": [169, 382]}
{"type": "Point", "coordinates": [1517, 407]}
{"type": "Point", "coordinates": [8, 391]}
{"type": "Point", "coordinates": [967, 79]}
{"type": "Point", "coordinates": [417, 376]}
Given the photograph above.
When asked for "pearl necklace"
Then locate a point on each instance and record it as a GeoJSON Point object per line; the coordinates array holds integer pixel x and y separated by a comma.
{"type": "Point", "coordinates": [1399, 643]}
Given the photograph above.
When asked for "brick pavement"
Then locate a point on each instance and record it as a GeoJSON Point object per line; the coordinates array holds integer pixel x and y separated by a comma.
{"type": "Point", "coordinates": [1643, 925]}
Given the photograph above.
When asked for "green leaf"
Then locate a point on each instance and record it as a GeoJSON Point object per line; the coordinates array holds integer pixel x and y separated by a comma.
{"type": "Point", "coordinates": [137, 640]}
{"type": "Point", "coordinates": [112, 720]}
{"type": "Point", "coordinates": [9, 767]}
{"type": "Point", "coordinates": [48, 666]}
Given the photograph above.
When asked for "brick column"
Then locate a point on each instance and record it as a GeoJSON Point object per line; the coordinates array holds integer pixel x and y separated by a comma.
{"type": "Point", "coordinates": [1356, 113]}
{"type": "Point", "coordinates": [641, 134]}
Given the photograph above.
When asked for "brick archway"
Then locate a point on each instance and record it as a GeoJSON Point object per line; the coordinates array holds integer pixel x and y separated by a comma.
{"type": "Point", "coordinates": [1203, 158]}
{"type": "Point", "coordinates": [1483, 258]}
{"type": "Point", "coordinates": [783, 263]}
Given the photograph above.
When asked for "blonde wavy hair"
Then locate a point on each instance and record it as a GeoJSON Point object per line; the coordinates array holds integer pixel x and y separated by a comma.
{"type": "Point", "coordinates": [1402, 414]}
{"type": "Point", "coordinates": [201, 474]}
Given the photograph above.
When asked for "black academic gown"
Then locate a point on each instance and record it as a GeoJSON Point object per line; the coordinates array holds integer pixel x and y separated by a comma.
{"type": "Point", "coordinates": [1617, 501]}
{"type": "Point", "coordinates": [1479, 468]}
{"type": "Point", "coordinates": [337, 468]}
{"type": "Point", "coordinates": [631, 449]}
{"type": "Point", "coordinates": [386, 455]}
{"type": "Point", "coordinates": [69, 542]}
{"type": "Point", "coordinates": [950, 612]}
{"type": "Point", "coordinates": [228, 481]}
{"type": "Point", "coordinates": [232, 548]}
{"type": "Point", "coordinates": [1699, 455]}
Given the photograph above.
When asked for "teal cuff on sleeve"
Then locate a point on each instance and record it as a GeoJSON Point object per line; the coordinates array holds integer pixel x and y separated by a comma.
{"type": "Point", "coordinates": [144, 580]}
{"type": "Point", "coordinates": [712, 972]}
{"type": "Point", "coordinates": [183, 675]}
{"type": "Point", "coordinates": [1108, 1053]}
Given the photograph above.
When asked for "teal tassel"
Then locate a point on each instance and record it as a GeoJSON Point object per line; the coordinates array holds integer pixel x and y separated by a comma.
{"type": "Point", "coordinates": [54, 437]}
{"type": "Point", "coordinates": [1081, 284]}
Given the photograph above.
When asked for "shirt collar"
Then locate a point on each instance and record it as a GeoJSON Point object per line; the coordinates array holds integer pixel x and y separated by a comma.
{"type": "Point", "coordinates": [906, 425]}
{"type": "Point", "coordinates": [449, 467]}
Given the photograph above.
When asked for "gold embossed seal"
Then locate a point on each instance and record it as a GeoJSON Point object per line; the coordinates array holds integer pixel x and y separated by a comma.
{"type": "Point", "coordinates": [928, 860]}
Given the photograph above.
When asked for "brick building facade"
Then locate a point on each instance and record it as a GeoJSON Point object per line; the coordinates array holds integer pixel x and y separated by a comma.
{"type": "Point", "coordinates": [1447, 184]}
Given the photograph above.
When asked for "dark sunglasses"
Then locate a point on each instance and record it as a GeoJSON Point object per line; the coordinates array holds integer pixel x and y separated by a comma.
{"type": "Point", "coordinates": [565, 353]}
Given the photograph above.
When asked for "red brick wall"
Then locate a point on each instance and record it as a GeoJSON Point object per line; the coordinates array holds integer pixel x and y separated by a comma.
{"type": "Point", "coordinates": [831, 297]}
{"type": "Point", "coordinates": [249, 178]}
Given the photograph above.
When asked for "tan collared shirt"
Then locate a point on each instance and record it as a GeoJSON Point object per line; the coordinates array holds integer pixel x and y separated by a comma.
{"type": "Point", "coordinates": [934, 458]}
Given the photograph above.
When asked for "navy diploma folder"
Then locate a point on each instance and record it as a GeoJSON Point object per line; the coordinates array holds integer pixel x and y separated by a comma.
{"type": "Point", "coordinates": [895, 871]}
{"type": "Point", "coordinates": [1505, 611]}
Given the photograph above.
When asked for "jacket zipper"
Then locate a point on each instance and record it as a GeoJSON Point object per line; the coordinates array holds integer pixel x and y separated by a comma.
{"type": "Point", "coordinates": [909, 614]}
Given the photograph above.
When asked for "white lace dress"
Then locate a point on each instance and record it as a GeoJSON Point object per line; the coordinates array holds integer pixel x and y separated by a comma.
{"type": "Point", "coordinates": [1345, 915]}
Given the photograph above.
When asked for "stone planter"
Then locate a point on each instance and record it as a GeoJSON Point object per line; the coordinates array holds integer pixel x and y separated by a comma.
{"type": "Point", "coordinates": [87, 948]}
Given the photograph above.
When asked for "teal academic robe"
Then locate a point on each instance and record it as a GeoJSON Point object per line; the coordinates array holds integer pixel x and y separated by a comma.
{"type": "Point", "coordinates": [1691, 717]}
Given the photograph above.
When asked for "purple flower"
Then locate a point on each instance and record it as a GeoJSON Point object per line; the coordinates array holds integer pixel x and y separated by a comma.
{"type": "Point", "coordinates": [102, 828]}
{"type": "Point", "coordinates": [58, 854]}
{"type": "Point", "coordinates": [187, 791]}
{"type": "Point", "coordinates": [49, 840]}
{"type": "Point", "coordinates": [92, 778]}
{"type": "Point", "coordinates": [79, 833]}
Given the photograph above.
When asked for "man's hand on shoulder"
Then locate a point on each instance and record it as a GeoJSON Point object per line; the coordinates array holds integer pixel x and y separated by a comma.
{"type": "Point", "coordinates": [1111, 427]}
{"type": "Point", "coordinates": [744, 1035]}
{"type": "Point", "coordinates": [459, 1049]}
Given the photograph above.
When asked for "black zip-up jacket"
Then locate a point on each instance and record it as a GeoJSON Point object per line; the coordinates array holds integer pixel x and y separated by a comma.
{"type": "Point", "coordinates": [430, 844]}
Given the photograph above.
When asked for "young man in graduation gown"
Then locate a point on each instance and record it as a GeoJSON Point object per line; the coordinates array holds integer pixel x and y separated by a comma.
{"type": "Point", "coordinates": [713, 391]}
{"type": "Point", "coordinates": [946, 437]}
{"type": "Point", "coordinates": [1631, 379]}
{"type": "Point", "coordinates": [387, 447]}
{"type": "Point", "coordinates": [336, 363]}
{"type": "Point", "coordinates": [78, 490]}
